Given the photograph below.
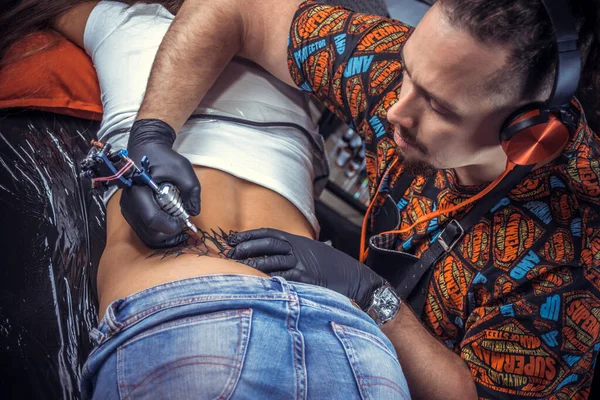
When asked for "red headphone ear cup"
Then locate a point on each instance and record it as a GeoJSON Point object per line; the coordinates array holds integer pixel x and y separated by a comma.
{"type": "Point", "coordinates": [537, 143]}
{"type": "Point", "coordinates": [533, 135]}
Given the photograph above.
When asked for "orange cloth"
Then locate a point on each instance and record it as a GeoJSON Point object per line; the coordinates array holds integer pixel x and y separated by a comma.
{"type": "Point", "coordinates": [59, 79]}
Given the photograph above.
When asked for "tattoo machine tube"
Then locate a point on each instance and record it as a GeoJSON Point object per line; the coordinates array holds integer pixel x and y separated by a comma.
{"type": "Point", "coordinates": [168, 198]}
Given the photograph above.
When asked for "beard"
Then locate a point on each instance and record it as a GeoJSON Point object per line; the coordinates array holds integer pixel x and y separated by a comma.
{"type": "Point", "coordinates": [414, 167]}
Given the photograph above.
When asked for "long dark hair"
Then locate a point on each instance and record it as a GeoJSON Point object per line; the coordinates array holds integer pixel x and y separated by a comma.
{"type": "Point", "coordinates": [524, 26]}
{"type": "Point", "coordinates": [19, 18]}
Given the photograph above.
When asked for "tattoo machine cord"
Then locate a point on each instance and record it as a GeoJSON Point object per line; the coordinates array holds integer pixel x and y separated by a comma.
{"type": "Point", "coordinates": [106, 167]}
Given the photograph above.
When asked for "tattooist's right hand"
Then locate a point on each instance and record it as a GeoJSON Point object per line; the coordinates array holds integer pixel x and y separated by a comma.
{"type": "Point", "coordinates": [154, 138]}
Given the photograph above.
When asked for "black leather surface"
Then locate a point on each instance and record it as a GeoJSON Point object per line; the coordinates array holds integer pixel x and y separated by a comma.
{"type": "Point", "coordinates": [51, 238]}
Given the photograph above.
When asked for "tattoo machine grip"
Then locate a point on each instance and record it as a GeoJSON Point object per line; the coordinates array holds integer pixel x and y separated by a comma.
{"type": "Point", "coordinates": [168, 198]}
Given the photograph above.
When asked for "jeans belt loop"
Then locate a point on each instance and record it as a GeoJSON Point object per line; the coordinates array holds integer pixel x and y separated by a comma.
{"type": "Point", "coordinates": [96, 336]}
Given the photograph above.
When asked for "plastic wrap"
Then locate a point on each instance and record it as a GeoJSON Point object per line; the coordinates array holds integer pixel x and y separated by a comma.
{"type": "Point", "coordinates": [52, 235]}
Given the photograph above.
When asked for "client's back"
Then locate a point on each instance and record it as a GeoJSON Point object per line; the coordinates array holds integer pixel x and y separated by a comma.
{"type": "Point", "coordinates": [228, 203]}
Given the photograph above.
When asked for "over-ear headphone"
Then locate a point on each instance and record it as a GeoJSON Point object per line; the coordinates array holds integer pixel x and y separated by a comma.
{"type": "Point", "coordinates": [537, 132]}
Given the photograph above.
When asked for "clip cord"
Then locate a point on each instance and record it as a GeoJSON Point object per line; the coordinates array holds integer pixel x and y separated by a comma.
{"type": "Point", "coordinates": [119, 174]}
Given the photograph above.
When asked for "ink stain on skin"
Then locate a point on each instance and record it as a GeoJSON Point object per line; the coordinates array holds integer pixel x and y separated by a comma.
{"type": "Point", "coordinates": [204, 243]}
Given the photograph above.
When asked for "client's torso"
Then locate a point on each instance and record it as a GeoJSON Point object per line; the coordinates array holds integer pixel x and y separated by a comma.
{"type": "Point", "coordinates": [228, 203]}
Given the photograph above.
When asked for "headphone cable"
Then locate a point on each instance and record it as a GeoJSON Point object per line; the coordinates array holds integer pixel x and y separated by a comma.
{"type": "Point", "coordinates": [364, 252]}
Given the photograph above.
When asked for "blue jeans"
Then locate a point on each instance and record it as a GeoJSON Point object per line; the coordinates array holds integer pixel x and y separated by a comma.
{"type": "Point", "coordinates": [240, 337]}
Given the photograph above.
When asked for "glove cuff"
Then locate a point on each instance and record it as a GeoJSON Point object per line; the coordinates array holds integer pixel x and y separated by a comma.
{"type": "Point", "coordinates": [154, 131]}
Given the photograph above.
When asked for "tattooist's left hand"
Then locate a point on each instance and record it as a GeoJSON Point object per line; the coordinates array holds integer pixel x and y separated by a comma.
{"type": "Point", "coordinates": [304, 260]}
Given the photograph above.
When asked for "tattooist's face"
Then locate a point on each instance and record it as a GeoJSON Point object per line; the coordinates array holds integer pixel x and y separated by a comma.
{"type": "Point", "coordinates": [445, 116]}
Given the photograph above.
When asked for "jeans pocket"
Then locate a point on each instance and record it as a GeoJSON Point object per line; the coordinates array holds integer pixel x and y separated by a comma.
{"type": "Point", "coordinates": [195, 357]}
{"type": "Point", "coordinates": [375, 366]}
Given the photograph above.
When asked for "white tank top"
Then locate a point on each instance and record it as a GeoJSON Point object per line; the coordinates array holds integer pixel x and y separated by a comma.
{"type": "Point", "coordinates": [228, 129]}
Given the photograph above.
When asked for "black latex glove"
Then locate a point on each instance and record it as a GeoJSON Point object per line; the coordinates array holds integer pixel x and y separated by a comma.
{"type": "Point", "coordinates": [154, 138]}
{"type": "Point", "coordinates": [300, 259]}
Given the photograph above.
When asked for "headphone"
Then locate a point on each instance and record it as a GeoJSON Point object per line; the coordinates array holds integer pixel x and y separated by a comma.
{"type": "Point", "coordinates": [537, 133]}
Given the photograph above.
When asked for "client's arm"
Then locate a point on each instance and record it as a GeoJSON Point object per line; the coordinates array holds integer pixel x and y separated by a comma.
{"type": "Point", "coordinates": [72, 22]}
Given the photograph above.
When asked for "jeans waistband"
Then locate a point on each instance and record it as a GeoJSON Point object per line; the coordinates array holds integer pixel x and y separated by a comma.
{"type": "Point", "coordinates": [211, 288]}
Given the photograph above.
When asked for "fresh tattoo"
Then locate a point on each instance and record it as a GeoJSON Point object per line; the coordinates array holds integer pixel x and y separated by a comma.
{"type": "Point", "coordinates": [201, 244]}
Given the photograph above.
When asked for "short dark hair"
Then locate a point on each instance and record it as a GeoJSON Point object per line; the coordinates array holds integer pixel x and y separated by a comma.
{"type": "Point", "coordinates": [524, 27]}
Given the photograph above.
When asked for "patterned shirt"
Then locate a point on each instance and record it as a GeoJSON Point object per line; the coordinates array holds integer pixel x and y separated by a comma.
{"type": "Point", "coordinates": [518, 298]}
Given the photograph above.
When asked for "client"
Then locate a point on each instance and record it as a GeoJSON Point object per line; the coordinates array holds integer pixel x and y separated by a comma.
{"type": "Point", "coordinates": [183, 322]}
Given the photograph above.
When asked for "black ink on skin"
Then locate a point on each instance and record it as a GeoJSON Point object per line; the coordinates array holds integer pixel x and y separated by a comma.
{"type": "Point", "coordinates": [204, 244]}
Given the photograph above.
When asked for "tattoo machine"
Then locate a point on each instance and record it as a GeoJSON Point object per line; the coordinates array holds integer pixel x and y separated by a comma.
{"type": "Point", "coordinates": [106, 167]}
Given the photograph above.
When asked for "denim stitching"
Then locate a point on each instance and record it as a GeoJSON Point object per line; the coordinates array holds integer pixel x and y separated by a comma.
{"type": "Point", "coordinates": [293, 314]}
{"type": "Point", "coordinates": [395, 386]}
{"type": "Point", "coordinates": [123, 389]}
{"type": "Point", "coordinates": [158, 372]}
{"type": "Point", "coordinates": [96, 336]}
{"type": "Point", "coordinates": [235, 368]}
{"type": "Point", "coordinates": [288, 324]}
{"type": "Point", "coordinates": [192, 320]}
{"type": "Point", "coordinates": [312, 304]}
{"type": "Point", "coordinates": [247, 331]}
{"type": "Point", "coordinates": [351, 354]}
{"type": "Point", "coordinates": [285, 296]}
{"type": "Point", "coordinates": [242, 343]}
{"type": "Point", "coordinates": [114, 326]}
{"type": "Point", "coordinates": [288, 327]}
{"type": "Point", "coordinates": [368, 336]}
{"type": "Point", "coordinates": [229, 383]}
{"type": "Point", "coordinates": [140, 315]}
{"type": "Point", "coordinates": [343, 332]}
{"type": "Point", "coordinates": [282, 282]}
{"type": "Point", "coordinates": [223, 278]}
{"type": "Point", "coordinates": [392, 385]}
{"type": "Point", "coordinates": [199, 299]}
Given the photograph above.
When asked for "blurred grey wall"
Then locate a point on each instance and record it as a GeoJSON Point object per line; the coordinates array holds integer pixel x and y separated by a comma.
{"type": "Point", "coordinates": [407, 11]}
